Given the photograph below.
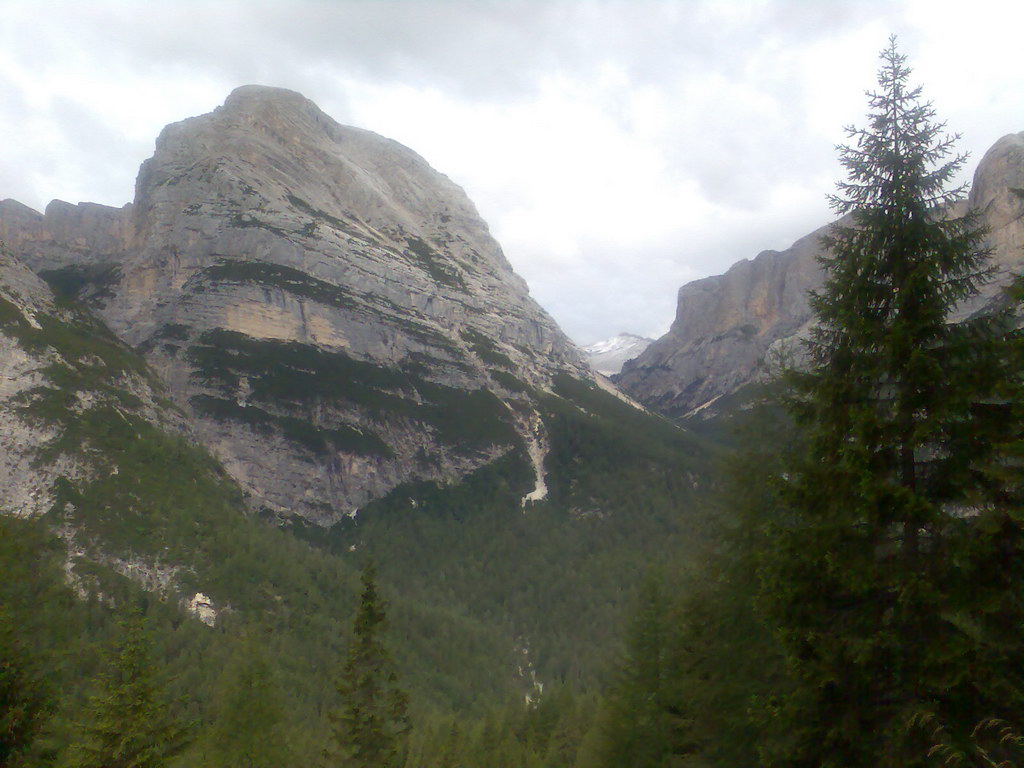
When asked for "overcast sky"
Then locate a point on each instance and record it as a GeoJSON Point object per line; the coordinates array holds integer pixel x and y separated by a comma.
{"type": "Point", "coordinates": [616, 149]}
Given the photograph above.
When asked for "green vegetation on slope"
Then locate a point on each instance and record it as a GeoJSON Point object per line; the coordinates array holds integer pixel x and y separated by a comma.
{"type": "Point", "coordinates": [148, 502]}
{"type": "Point", "coordinates": [301, 376]}
{"type": "Point", "coordinates": [485, 349]}
{"type": "Point", "coordinates": [92, 356]}
{"type": "Point", "coordinates": [295, 281]}
{"type": "Point", "coordinates": [320, 440]}
{"type": "Point", "coordinates": [487, 598]}
{"type": "Point", "coordinates": [606, 454]}
{"type": "Point", "coordinates": [438, 267]}
{"type": "Point", "coordinates": [559, 574]}
{"type": "Point", "coordinates": [88, 283]}
{"type": "Point", "coordinates": [317, 213]}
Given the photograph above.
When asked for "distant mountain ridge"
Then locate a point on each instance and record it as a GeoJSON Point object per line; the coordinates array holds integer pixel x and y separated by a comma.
{"type": "Point", "coordinates": [607, 357]}
{"type": "Point", "coordinates": [725, 325]}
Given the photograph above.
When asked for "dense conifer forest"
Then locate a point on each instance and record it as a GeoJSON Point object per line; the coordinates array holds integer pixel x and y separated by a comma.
{"type": "Point", "coordinates": [829, 575]}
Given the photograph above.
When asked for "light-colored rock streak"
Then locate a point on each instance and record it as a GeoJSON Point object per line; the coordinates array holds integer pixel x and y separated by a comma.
{"type": "Point", "coordinates": [537, 449]}
{"type": "Point", "coordinates": [605, 384]}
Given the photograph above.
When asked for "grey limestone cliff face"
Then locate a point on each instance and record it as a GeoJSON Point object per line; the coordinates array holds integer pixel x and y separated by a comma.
{"type": "Point", "coordinates": [86, 235]}
{"type": "Point", "coordinates": [59, 367]}
{"type": "Point", "coordinates": [331, 310]}
{"type": "Point", "coordinates": [23, 297]}
{"type": "Point", "coordinates": [725, 325]}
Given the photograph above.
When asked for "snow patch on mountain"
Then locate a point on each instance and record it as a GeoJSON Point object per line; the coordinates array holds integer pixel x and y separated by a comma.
{"type": "Point", "coordinates": [607, 357]}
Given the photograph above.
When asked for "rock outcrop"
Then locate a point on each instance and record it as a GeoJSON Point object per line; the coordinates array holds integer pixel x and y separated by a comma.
{"type": "Point", "coordinates": [23, 299]}
{"type": "Point", "coordinates": [725, 325]}
{"type": "Point", "coordinates": [331, 312]}
{"type": "Point", "coordinates": [62, 372]}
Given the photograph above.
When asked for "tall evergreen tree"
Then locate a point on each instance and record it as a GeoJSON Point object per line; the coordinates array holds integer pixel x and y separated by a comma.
{"type": "Point", "coordinates": [895, 582]}
{"type": "Point", "coordinates": [248, 729]}
{"type": "Point", "coordinates": [371, 723]}
{"type": "Point", "coordinates": [726, 660]}
{"type": "Point", "coordinates": [129, 723]}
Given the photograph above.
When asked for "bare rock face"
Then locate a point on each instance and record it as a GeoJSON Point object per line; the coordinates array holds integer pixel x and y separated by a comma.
{"type": "Point", "coordinates": [998, 192]}
{"type": "Point", "coordinates": [83, 235]}
{"type": "Point", "coordinates": [23, 298]}
{"type": "Point", "coordinates": [59, 369]}
{"type": "Point", "coordinates": [725, 325]}
{"type": "Point", "coordinates": [332, 311]}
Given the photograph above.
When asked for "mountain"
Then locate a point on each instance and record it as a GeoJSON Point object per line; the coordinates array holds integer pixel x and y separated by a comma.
{"type": "Point", "coordinates": [607, 357]}
{"type": "Point", "coordinates": [296, 350]}
{"type": "Point", "coordinates": [727, 324]}
{"type": "Point", "coordinates": [330, 312]}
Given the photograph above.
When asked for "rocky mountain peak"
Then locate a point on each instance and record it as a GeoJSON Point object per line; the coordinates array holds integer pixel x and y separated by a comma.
{"type": "Point", "coordinates": [998, 188]}
{"type": "Point", "coordinates": [318, 298]}
{"type": "Point", "coordinates": [271, 146]}
{"type": "Point", "coordinates": [608, 356]}
{"type": "Point", "coordinates": [259, 101]}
